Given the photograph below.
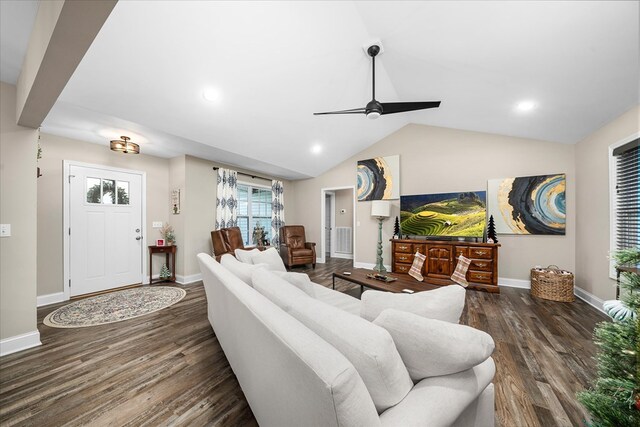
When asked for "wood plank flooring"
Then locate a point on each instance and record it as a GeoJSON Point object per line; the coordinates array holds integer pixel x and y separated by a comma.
{"type": "Point", "coordinates": [167, 368]}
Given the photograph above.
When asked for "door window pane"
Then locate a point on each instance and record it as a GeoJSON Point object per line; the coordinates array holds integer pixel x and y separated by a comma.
{"type": "Point", "coordinates": [93, 190]}
{"type": "Point", "coordinates": [108, 192]}
{"type": "Point", "coordinates": [123, 193]}
{"type": "Point", "coordinates": [254, 208]}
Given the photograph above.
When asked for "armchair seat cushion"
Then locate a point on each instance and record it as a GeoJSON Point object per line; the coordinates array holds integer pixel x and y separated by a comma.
{"type": "Point", "coordinates": [299, 253]}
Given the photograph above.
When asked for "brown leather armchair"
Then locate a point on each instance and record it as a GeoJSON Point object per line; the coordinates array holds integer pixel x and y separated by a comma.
{"type": "Point", "coordinates": [294, 249]}
{"type": "Point", "coordinates": [226, 240]}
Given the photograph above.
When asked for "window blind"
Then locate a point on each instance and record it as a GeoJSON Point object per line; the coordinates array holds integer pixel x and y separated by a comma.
{"type": "Point", "coordinates": [628, 195]}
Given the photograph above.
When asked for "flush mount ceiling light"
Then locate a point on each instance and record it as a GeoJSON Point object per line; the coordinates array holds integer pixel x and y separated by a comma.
{"type": "Point", "coordinates": [124, 146]}
{"type": "Point", "coordinates": [525, 106]}
{"type": "Point", "coordinates": [316, 149]}
{"type": "Point", "coordinates": [211, 95]}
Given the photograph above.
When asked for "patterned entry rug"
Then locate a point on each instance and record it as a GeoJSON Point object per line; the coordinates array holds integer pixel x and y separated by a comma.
{"type": "Point", "coordinates": [114, 307]}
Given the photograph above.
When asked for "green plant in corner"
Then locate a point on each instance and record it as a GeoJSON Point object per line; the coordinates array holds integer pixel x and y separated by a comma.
{"type": "Point", "coordinates": [167, 232]}
{"type": "Point", "coordinates": [164, 272]}
{"type": "Point", "coordinates": [614, 398]}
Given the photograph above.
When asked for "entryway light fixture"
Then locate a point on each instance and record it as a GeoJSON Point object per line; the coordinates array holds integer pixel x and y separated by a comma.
{"type": "Point", "coordinates": [124, 146]}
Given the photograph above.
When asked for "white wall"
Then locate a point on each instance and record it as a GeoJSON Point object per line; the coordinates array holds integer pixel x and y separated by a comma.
{"type": "Point", "coordinates": [55, 150]}
{"type": "Point", "coordinates": [18, 253]}
{"type": "Point", "coordinates": [440, 160]}
{"type": "Point", "coordinates": [592, 172]}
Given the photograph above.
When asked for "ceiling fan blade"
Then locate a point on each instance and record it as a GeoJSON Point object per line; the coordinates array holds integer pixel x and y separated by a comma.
{"type": "Point", "coordinates": [351, 111]}
{"type": "Point", "coordinates": [401, 107]}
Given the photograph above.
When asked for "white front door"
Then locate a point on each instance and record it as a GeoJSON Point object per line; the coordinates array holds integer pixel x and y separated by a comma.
{"type": "Point", "coordinates": [105, 233]}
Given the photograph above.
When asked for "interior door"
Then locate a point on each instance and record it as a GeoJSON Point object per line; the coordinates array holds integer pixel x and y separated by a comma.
{"type": "Point", "coordinates": [328, 208]}
{"type": "Point", "coordinates": [105, 233]}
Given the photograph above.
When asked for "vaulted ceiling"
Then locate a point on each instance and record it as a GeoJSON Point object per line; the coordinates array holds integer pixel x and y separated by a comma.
{"type": "Point", "coordinates": [270, 65]}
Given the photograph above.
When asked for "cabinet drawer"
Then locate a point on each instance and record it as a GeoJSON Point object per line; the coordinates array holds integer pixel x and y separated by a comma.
{"type": "Point", "coordinates": [401, 268]}
{"type": "Point", "coordinates": [484, 253]}
{"type": "Point", "coordinates": [462, 250]}
{"type": "Point", "coordinates": [419, 248]}
{"type": "Point", "coordinates": [404, 257]}
{"type": "Point", "coordinates": [481, 265]}
{"type": "Point", "coordinates": [480, 276]}
{"type": "Point", "coordinates": [404, 247]}
{"type": "Point", "coordinates": [162, 250]}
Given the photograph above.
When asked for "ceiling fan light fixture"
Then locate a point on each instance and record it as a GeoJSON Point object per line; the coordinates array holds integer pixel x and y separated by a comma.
{"type": "Point", "coordinates": [123, 145]}
{"type": "Point", "coordinates": [373, 115]}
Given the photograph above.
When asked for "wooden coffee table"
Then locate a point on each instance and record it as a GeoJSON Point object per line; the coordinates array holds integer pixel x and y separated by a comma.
{"type": "Point", "coordinates": [403, 281]}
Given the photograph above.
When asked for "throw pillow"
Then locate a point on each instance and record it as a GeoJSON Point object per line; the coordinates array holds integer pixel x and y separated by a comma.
{"type": "Point", "coordinates": [241, 270]}
{"type": "Point", "coordinates": [431, 348]}
{"type": "Point", "coordinates": [299, 280]}
{"type": "Point", "coordinates": [271, 257]}
{"type": "Point", "coordinates": [368, 347]}
{"type": "Point", "coordinates": [245, 255]}
{"type": "Point", "coordinates": [445, 303]}
{"type": "Point", "coordinates": [460, 274]}
{"type": "Point", "coordinates": [416, 267]}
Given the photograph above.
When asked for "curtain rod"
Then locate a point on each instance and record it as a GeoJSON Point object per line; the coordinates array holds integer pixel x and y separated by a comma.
{"type": "Point", "coordinates": [215, 168]}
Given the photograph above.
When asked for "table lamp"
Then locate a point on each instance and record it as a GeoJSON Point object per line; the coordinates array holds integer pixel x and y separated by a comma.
{"type": "Point", "coordinates": [380, 209]}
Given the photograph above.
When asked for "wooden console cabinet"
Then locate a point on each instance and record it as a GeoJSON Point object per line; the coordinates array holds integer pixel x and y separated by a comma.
{"type": "Point", "coordinates": [442, 258]}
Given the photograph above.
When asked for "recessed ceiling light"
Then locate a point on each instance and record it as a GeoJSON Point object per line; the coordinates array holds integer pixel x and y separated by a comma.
{"type": "Point", "coordinates": [211, 94]}
{"type": "Point", "coordinates": [316, 149]}
{"type": "Point", "coordinates": [525, 106]}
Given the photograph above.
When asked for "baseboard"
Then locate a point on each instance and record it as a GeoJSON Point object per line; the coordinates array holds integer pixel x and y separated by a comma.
{"type": "Point", "coordinates": [19, 342]}
{"type": "Point", "coordinates": [43, 300]}
{"type": "Point", "coordinates": [369, 265]}
{"type": "Point", "coordinates": [589, 298]}
{"type": "Point", "coordinates": [514, 283]}
{"type": "Point", "coordinates": [343, 256]}
{"type": "Point", "coordinates": [185, 280]}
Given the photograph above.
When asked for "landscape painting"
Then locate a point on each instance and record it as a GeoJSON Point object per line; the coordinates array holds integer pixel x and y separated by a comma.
{"type": "Point", "coordinates": [445, 214]}
{"type": "Point", "coordinates": [379, 178]}
{"type": "Point", "coordinates": [529, 204]}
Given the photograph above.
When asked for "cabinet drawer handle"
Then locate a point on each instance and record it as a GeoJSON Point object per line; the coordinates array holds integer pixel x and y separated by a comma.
{"type": "Point", "coordinates": [481, 264]}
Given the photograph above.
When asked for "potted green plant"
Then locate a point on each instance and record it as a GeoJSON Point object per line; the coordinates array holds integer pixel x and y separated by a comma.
{"type": "Point", "coordinates": [169, 234]}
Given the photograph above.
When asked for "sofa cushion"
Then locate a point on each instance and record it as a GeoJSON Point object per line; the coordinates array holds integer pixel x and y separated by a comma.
{"type": "Point", "coordinates": [444, 303]}
{"type": "Point", "coordinates": [240, 269]}
{"type": "Point", "coordinates": [368, 347]}
{"type": "Point", "coordinates": [430, 347]}
{"type": "Point", "coordinates": [439, 401]}
{"type": "Point", "coordinates": [271, 257]}
{"type": "Point", "coordinates": [245, 255]}
{"type": "Point", "coordinates": [299, 280]}
{"type": "Point", "coordinates": [337, 299]}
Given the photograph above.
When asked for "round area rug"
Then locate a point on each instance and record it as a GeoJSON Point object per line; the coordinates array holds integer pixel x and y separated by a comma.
{"type": "Point", "coordinates": [114, 307]}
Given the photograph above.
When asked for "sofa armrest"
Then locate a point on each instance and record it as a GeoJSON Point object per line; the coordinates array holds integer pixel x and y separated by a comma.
{"type": "Point", "coordinates": [440, 401]}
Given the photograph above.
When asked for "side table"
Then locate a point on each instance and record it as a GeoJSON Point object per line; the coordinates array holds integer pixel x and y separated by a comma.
{"type": "Point", "coordinates": [167, 250]}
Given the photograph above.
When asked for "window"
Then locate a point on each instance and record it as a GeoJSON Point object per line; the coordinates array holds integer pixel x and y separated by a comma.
{"type": "Point", "coordinates": [254, 209]}
{"type": "Point", "coordinates": [103, 191]}
{"type": "Point", "coordinates": [625, 199]}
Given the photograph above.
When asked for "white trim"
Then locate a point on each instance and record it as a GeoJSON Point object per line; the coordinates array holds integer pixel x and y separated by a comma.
{"type": "Point", "coordinates": [514, 283]}
{"type": "Point", "coordinates": [332, 223]}
{"type": "Point", "coordinates": [320, 258]}
{"type": "Point", "coordinates": [589, 298]}
{"type": "Point", "coordinates": [369, 265]}
{"type": "Point", "coordinates": [66, 214]}
{"type": "Point", "coordinates": [19, 342]}
{"type": "Point", "coordinates": [50, 299]}
{"type": "Point", "coordinates": [186, 280]}
{"type": "Point", "coordinates": [612, 200]}
{"type": "Point", "coordinates": [251, 184]}
{"type": "Point", "coordinates": [341, 255]}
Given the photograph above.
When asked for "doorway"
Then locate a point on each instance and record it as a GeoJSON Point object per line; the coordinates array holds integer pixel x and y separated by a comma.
{"type": "Point", "coordinates": [103, 228]}
{"type": "Point", "coordinates": [329, 222]}
{"type": "Point", "coordinates": [337, 222]}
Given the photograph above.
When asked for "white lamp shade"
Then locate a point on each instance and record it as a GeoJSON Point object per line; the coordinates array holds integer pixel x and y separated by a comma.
{"type": "Point", "coordinates": [380, 208]}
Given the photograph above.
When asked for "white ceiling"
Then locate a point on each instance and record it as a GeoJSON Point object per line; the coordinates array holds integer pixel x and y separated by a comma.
{"type": "Point", "coordinates": [16, 22]}
{"type": "Point", "coordinates": [275, 63]}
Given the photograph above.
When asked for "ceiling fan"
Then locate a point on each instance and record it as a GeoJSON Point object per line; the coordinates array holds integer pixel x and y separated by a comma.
{"type": "Point", "coordinates": [375, 109]}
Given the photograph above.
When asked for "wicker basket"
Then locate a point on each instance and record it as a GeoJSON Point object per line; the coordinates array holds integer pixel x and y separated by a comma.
{"type": "Point", "coordinates": [552, 283]}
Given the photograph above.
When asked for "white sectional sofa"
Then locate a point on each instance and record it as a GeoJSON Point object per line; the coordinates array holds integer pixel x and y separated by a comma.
{"type": "Point", "coordinates": [304, 356]}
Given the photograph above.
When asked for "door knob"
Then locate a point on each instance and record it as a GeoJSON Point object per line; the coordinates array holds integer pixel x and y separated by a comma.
{"type": "Point", "coordinates": [139, 238]}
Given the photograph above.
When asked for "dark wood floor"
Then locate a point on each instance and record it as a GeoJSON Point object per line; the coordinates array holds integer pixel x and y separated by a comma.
{"type": "Point", "coordinates": [167, 368]}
